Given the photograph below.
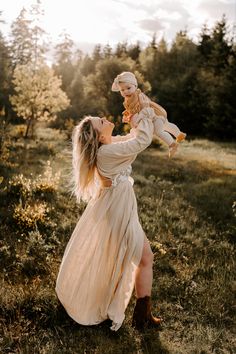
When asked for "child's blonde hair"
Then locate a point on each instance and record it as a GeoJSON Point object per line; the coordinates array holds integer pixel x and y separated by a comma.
{"type": "Point", "coordinates": [132, 105]}
{"type": "Point", "coordinates": [85, 144]}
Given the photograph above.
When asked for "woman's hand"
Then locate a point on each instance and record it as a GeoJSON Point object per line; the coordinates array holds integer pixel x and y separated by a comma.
{"type": "Point", "coordinates": [144, 101]}
{"type": "Point", "coordinates": [134, 121]}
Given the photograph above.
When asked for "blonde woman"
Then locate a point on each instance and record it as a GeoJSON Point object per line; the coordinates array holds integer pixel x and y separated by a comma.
{"type": "Point", "coordinates": [108, 253]}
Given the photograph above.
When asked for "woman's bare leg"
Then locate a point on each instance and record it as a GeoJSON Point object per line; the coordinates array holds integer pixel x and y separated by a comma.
{"type": "Point", "coordinates": [144, 272]}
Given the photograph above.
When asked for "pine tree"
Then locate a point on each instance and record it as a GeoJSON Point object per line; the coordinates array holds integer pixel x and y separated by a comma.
{"type": "Point", "coordinates": [107, 51]}
{"type": "Point", "coordinates": [38, 34]}
{"type": "Point", "coordinates": [217, 64]}
{"type": "Point", "coordinates": [121, 50]}
{"type": "Point", "coordinates": [64, 53]}
{"type": "Point", "coordinates": [133, 51]}
{"type": "Point", "coordinates": [64, 56]}
{"type": "Point", "coordinates": [21, 40]}
{"type": "Point", "coordinates": [28, 44]}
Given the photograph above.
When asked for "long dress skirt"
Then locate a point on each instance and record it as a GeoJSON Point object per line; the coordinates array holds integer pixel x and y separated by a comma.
{"type": "Point", "coordinates": [97, 273]}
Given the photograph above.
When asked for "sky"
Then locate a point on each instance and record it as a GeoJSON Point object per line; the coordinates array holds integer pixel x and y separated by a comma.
{"type": "Point", "coordinates": [90, 22]}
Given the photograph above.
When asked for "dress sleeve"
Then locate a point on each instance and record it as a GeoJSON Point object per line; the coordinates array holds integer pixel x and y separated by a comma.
{"type": "Point", "coordinates": [140, 142]}
{"type": "Point", "coordinates": [119, 138]}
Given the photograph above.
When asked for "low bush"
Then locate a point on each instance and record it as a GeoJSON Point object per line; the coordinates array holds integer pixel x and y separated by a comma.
{"type": "Point", "coordinates": [38, 255]}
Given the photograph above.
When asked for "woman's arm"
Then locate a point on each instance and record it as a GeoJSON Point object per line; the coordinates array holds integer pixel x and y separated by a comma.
{"type": "Point", "coordinates": [143, 139]}
{"type": "Point", "coordinates": [119, 138]}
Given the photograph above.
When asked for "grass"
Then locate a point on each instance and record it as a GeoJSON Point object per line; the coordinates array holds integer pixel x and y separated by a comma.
{"type": "Point", "coordinates": [185, 207]}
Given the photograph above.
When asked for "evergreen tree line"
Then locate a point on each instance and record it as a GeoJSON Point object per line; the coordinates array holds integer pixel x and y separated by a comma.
{"type": "Point", "coordinates": [194, 82]}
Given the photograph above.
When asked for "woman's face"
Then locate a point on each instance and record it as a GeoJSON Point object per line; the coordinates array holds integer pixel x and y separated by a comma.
{"type": "Point", "coordinates": [126, 90]}
{"type": "Point", "coordinates": [103, 126]}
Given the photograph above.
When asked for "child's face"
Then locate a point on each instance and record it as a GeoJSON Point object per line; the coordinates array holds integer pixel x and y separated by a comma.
{"type": "Point", "coordinates": [126, 90]}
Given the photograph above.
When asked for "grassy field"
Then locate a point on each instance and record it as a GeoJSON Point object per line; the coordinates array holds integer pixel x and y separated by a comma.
{"type": "Point", "coordinates": [185, 207]}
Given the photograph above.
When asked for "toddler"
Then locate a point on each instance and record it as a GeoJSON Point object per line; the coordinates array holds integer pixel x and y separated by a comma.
{"type": "Point", "coordinates": [127, 84]}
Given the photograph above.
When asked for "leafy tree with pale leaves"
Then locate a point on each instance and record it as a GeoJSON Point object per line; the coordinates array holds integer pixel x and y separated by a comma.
{"type": "Point", "coordinates": [38, 94]}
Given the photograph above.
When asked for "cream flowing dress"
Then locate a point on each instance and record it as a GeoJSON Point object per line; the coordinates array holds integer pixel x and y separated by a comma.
{"type": "Point", "coordinates": [97, 273]}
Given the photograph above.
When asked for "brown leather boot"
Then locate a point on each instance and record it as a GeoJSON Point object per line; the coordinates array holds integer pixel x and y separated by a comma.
{"type": "Point", "coordinates": [142, 316]}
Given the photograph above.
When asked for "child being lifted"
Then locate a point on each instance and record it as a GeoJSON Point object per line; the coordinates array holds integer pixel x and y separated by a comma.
{"type": "Point", "coordinates": [127, 84]}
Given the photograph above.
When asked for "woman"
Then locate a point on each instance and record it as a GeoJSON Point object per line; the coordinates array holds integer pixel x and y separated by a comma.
{"type": "Point", "coordinates": [108, 253]}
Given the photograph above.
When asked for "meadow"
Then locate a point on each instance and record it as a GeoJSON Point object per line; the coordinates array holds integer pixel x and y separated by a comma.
{"type": "Point", "coordinates": [187, 207]}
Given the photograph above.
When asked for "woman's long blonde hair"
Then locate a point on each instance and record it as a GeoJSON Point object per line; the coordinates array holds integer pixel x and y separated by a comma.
{"type": "Point", "coordinates": [85, 144]}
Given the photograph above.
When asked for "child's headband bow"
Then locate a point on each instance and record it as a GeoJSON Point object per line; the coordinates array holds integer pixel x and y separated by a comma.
{"type": "Point", "coordinates": [125, 77]}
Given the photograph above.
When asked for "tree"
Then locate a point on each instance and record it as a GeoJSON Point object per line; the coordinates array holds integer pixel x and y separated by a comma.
{"type": "Point", "coordinates": [78, 106]}
{"type": "Point", "coordinates": [205, 44]}
{"type": "Point", "coordinates": [153, 43]}
{"type": "Point", "coordinates": [173, 76]}
{"type": "Point", "coordinates": [64, 56]}
{"type": "Point", "coordinates": [5, 75]}
{"type": "Point", "coordinates": [216, 80]}
{"type": "Point", "coordinates": [21, 40]}
{"type": "Point", "coordinates": [28, 43]}
{"type": "Point", "coordinates": [107, 51]}
{"type": "Point", "coordinates": [179, 87]}
{"type": "Point", "coordinates": [38, 94]}
{"type": "Point", "coordinates": [148, 59]}
{"type": "Point", "coordinates": [37, 34]}
{"type": "Point", "coordinates": [64, 51]}
{"type": "Point", "coordinates": [87, 66]}
{"type": "Point", "coordinates": [4, 99]}
{"type": "Point", "coordinates": [220, 91]}
{"type": "Point", "coordinates": [133, 51]}
{"type": "Point", "coordinates": [215, 47]}
{"type": "Point", "coordinates": [97, 53]}
{"type": "Point", "coordinates": [121, 50]}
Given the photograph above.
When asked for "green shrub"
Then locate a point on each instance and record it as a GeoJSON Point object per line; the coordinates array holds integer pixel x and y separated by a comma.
{"type": "Point", "coordinates": [5, 254]}
{"type": "Point", "coordinates": [44, 185]}
{"type": "Point", "coordinates": [30, 215]}
{"type": "Point", "coordinates": [20, 187]}
{"type": "Point", "coordinates": [29, 198]}
{"type": "Point", "coordinates": [38, 255]}
{"type": "Point", "coordinates": [69, 126]}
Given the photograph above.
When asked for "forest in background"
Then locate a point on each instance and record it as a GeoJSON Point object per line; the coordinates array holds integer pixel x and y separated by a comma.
{"type": "Point", "coordinates": [195, 82]}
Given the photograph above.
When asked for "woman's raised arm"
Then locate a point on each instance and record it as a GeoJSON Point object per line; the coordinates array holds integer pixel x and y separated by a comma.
{"type": "Point", "coordinates": [119, 138]}
{"type": "Point", "coordinates": [140, 142]}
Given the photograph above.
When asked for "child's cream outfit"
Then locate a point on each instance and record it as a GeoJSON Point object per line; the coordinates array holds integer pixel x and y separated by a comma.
{"type": "Point", "coordinates": [162, 128]}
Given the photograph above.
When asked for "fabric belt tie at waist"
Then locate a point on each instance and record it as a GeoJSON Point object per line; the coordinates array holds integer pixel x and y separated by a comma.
{"type": "Point", "coordinates": [121, 177]}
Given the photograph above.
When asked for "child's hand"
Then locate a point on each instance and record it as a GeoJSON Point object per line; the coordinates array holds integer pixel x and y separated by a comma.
{"type": "Point", "coordinates": [127, 118]}
{"type": "Point", "coordinates": [144, 101]}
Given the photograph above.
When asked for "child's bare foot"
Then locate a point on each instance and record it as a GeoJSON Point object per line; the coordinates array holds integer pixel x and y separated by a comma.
{"type": "Point", "coordinates": [173, 148]}
{"type": "Point", "coordinates": [180, 137]}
